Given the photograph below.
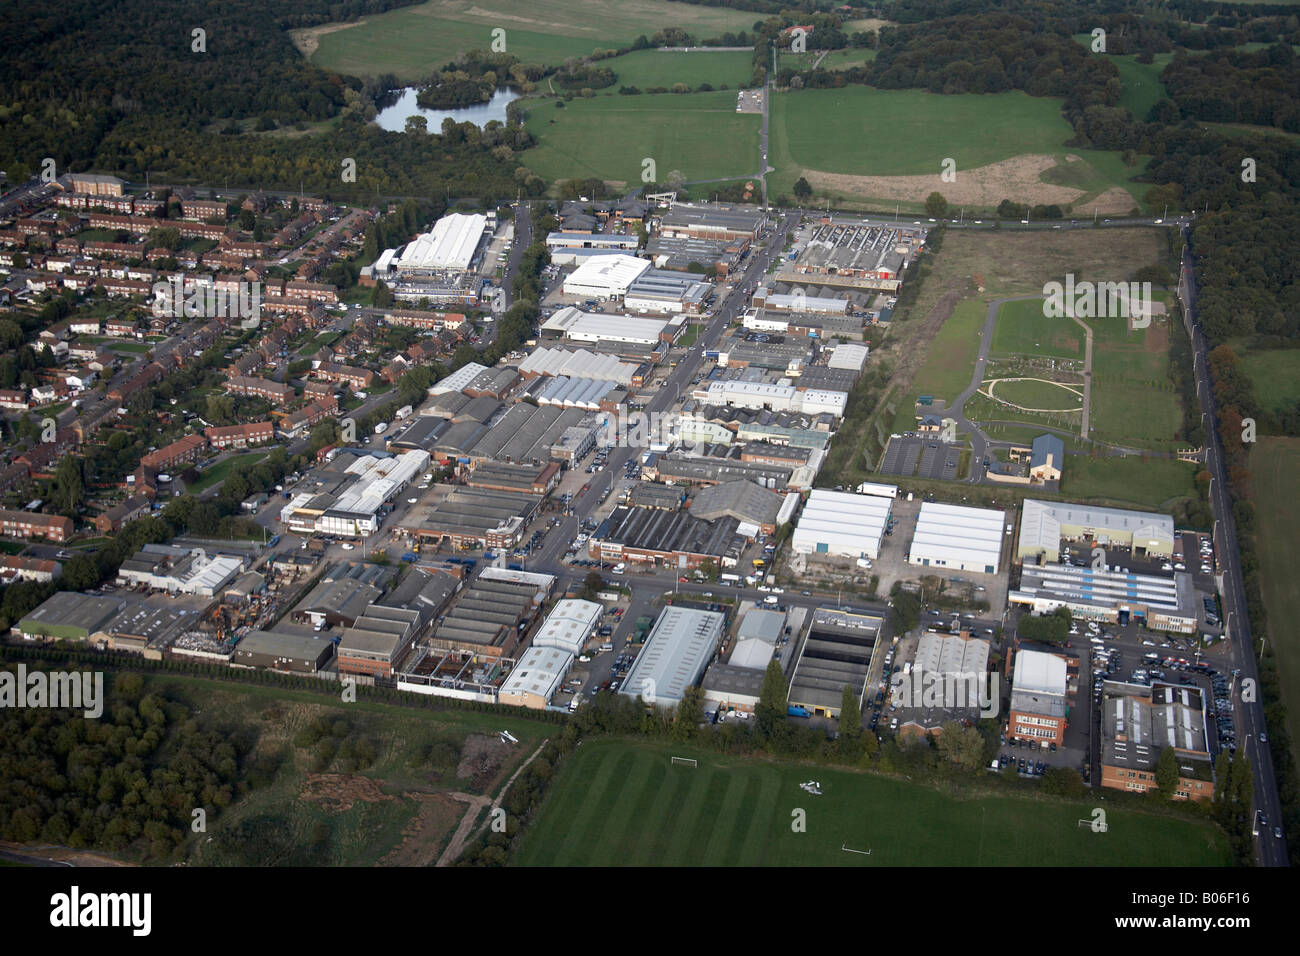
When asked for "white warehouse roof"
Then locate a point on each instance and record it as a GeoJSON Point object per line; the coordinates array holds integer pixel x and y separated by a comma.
{"type": "Point", "coordinates": [605, 275]}
{"type": "Point", "coordinates": [1039, 672]}
{"type": "Point", "coordinates": [957, 537]}
{"type": "Point", "coordinates": [842, 524]}
{"type": "Point", "coordinates": [582, 326]}
{"type": "Point", "coordinates": [568, 625]}
{"type": "Point", "coordinates": [538, 673]}
{"type": "Point", "coordinates": [577, 363]}
{"type": "Point", "coordinates": [849, 355]}
{"type": "Point", "coordinates": [449, 245]}
{"type": "Point", "coordinates": [458, 379]}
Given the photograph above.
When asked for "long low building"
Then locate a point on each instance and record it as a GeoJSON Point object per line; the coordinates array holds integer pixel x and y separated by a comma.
{"type": "Point", "coordinates": [842, 525]}
{"type": "Point", "coordinates": [836, 654]}
{"type": "Point", "coordinates": [674, 539]}
{"type": "Point", "coordinates": [605, 277]}
{"type": "Point", "coordinates": [578, 326]}
{"type": "Point", "coordinates": [536, 678]}
{"type": "Point", "coordinates": [474, 518]}
{"type": "Point", "coordinates": [958, 538]}
{"type": "Point", "coordinates": [179, 570]}
{"type": "Point", "coordinates": [678, 649]}
{"type": "Point", "coordinates": [569, 625]}
{"type": "Point", "coordinates": [1163, 602]}
{"type": "Point", "coordinates": [284, 651]}
{"type": "Point", "coordinates": [1044, 525]}
{"type": "Point", "coordinates": [1138, 723]}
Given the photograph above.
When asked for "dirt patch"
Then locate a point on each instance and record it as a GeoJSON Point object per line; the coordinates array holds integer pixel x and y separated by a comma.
{"type": "Point", "coordinates": [1113, 201]}
{"type": "Point", "coordinates": [307, 40]}
{"type": "Point", "coordinates": [338, 792]}
{"type": "Point", "coordinates": [424, 835]}
{"type": "Point", "coordinates": [481, 761]}
{"type": "Point", "coordinates": [1016, 178]}
{"type": "Point", "coordinates": [63, 854]}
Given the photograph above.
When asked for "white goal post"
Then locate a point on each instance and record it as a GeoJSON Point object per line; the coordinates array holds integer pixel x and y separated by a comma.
{"type": "Point", "coordinates": [684, 761]}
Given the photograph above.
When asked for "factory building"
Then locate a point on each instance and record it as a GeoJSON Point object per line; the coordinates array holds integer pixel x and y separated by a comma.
{"type": "Point", "coordinates": [957, 538]}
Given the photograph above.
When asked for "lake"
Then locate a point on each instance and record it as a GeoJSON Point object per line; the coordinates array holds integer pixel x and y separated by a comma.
{"type": "Point", "coordinates": [401, 104]}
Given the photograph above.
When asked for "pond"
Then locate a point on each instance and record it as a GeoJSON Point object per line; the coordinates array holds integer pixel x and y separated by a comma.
{"type": "Point", "coordinates": [400, 104]}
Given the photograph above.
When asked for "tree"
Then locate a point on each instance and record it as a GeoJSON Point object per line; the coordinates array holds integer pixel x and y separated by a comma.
{"type": "Point", "coordinates": [962, 746]}
{"type": "Point", "coordinates": [69, 485]}
{"type": "Point", "coordinates": [688, 715]}
{"type": "Point", "coordinates": [802, 191]}
{"type": "Point", "coordinates": [936, 207]}
{"type": "Point", "coordinates": [850, 724]}
{"type": "Point", "coordinates": [771, 710]}
{"type": "Point", "coordinates": [1167, 773]}
{"type": "Point", "coordinates": [592, 584]}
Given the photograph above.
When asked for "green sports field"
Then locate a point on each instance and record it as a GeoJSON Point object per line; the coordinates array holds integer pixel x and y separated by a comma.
{"type": "Point", "coordinates": [622, 803]}
{"type": "Point", "coordinates": [699, 134]}
{"type": "Point", "coordinates": [412, 41]}
{"type": "Point", "coordinates": [650, 68]}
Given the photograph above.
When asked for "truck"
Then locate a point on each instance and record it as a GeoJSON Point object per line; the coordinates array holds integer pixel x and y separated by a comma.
{"type": "Point", "coordinates": [410, 557]}
{"type": "Point", "coordinates": [404, 412]}
{"type": "Point", "coordinates": [794, 710]}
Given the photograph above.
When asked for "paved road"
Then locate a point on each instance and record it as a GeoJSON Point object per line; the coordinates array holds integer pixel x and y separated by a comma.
{"type": "Point", "coordinates": [1270, 851]}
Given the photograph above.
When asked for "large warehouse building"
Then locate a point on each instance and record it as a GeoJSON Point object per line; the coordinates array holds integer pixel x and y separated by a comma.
{"type": "Point", "coordinates": [838, 524]}
{"type": "Point", "coordinates": [578, 326]}
{"type": "Point", "coordinates": [451, 244]}
{"type": "Point", "coordinates": [536, 677]}
{"type": "Point", "coordinates": [605, 277]}
{"type": "Point", "coordinates": [1044, 525]}
{"type": "Point", "coordinates": [958, 538]}
{"type": "Point", "coordinates": [1163, 602]}
{"type": "Point", "coordinates": [678, 649]}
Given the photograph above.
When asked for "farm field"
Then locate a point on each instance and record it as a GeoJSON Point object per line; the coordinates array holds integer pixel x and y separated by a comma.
{"type": "Point", "coordinates": [699, 134]}
{"type": "Point", "coordinates": [861, 145]}
{"type": "Point", "coordinates": [1129, 480]}
{"type": "Point", "coordinates": [1275, 375]}
{"type": "Point", "coordinates": [1022, 329]}
{"type": "Point", "coordinates": [1275, 465]}
{"type": "Point", "coordinates": [414, 41]}
{"type": "Point", "coordinates": [623, 803]}
{"type": "Point", "coordinates": [650, 68]}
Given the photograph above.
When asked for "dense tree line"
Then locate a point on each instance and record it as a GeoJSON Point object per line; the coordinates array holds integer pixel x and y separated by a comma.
{"type": "Point", "coordinates": [1238, 87]}
{"type": "Point", "coordinates": [127, 782]}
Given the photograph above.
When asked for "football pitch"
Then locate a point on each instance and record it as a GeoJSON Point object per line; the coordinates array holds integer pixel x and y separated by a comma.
{"type": "Point", "coordinates": [624, 803]}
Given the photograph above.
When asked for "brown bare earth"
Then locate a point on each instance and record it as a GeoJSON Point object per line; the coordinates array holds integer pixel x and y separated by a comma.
{"type": "Point", "coordinates": [981, 186]}
{"type": "Point", "coordinates": [483, 760]}
{"type": "Point", "coordinates": [307, 40]}
{"type": "Point", "coordinates": [338, 792]}
{"type": "Point", "coordinates": [424, 835]}
{"type": "Point", "coordinates": [62, 854]}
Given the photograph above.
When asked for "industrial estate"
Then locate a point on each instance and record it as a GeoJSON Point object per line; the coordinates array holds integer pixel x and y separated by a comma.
{"type": "Point", "coordinates": [698, 477]}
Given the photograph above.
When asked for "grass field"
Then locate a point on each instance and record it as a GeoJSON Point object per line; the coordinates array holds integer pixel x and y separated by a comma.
{"type": "Point", "coordinates": [650, 68]}
{"type": "Point", "coordinates": [834, 60]}
{"type": "Point", "coordinates": [698, 134]}
{"type": "Point", "coordinates": [1275, 375]}
{"type": "Point", "coordinates": [861, 131]}
{"type": "Point", "coordinates": [1028, 393]}
{"type": "Point", "coordinates": [221, 469]}
{"type": "Point", "coordinates": [1275, 465]}
{"type": "Point", "coordinates": [949, 362]}
{"type": "Point", "coordinates": [413, 41]}
{"type": "Point", "coordinates": [1022, 329]}
{"type": "Point", "coordinates": [621, 803]}
{"type": "Point", "coordinates": [1141, 81]}
{"type": "Point", "coordinates": [1128, 480]}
